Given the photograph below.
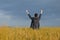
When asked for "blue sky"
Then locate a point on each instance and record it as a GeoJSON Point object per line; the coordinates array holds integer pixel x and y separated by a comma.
{"type": "Point", "coordinates": [12, 12]}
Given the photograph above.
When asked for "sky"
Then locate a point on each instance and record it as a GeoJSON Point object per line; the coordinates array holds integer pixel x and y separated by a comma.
{"type": "Point", "coordinates": [13, 12]}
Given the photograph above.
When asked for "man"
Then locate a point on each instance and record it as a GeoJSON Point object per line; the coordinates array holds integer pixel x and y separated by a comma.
{"type": "Point", "coordinates": [35, 20]}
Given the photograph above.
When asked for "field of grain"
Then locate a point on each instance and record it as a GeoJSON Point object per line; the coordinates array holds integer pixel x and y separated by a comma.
{"type": "Point", "coordinates": [16, 33]}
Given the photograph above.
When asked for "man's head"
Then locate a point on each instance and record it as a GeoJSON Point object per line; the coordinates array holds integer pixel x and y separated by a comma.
{"type": "Point", "coordinates": [36, 15]}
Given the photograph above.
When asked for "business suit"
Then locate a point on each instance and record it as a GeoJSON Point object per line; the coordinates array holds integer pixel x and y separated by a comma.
{"type": "Point", "coordinates": [35, 21]}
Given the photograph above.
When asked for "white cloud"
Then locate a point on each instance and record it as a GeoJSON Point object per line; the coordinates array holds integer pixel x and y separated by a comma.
{"type": "Point", "coordinates": [4, 18]}
{"type": "Point", "coordinates": [57, 19]}
{"type": "Point", "coordinates": [3, 14]}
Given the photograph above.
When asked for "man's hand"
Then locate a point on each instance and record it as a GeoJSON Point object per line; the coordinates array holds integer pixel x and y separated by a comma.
{"type": "Point", "coordinates": [27, 11]}
{"type": "Point", "coordinates": [41, 11]}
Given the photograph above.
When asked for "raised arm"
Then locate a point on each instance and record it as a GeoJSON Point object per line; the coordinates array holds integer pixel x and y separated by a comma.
{"type": "Point", "coordinates": [41, 12]}
{"type": "Point", "coordinates": [28, 14]}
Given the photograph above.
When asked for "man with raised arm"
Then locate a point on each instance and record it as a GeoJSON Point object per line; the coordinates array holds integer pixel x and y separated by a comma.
{"type": "Point", "coordinates": [35, 20]}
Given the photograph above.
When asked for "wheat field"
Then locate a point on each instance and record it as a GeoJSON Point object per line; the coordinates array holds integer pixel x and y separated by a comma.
{"type": "Point", "coordinates": [16, 33]}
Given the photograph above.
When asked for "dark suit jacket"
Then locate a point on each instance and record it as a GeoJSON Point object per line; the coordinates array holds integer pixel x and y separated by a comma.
{"type": "Point", "coordinates": [34, 21]}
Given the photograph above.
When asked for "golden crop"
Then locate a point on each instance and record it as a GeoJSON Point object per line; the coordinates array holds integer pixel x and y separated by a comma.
{"type": "Point", "coordinates": [16, 33]}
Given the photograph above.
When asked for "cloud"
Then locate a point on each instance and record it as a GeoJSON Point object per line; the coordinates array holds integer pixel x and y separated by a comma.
{"type": "Point", "coordinates": [5, 18]}
{"type": "Point", "coordinates": [3, 15]}
{"type": "Point", "coordinates": [57, 19]}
